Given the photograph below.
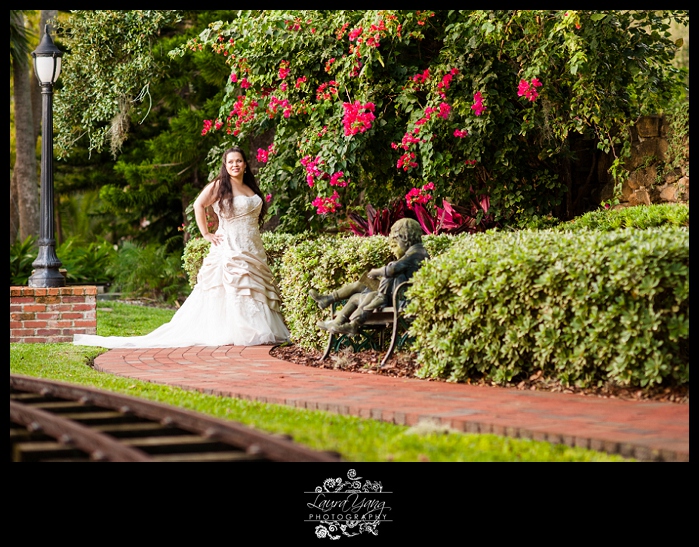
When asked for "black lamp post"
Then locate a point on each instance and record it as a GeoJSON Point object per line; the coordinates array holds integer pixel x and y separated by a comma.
{"type": "Point", "coordinates": [47, 67]}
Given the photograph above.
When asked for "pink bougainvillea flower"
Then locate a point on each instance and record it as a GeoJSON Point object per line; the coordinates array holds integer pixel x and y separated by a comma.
{"type": "Point", "coordinates": [408, 139]}
{"type": "Point", "coordinates": [210, 125]}
{"type": "Point", "coordinates": [477, 105]}
{"type": "Point", "coordinates": [262, 155]}
{"type": "Point", "coordinates": [293, 25]}
{"type": "Point", "coordinates": [355, 33]}
{"type": "Point", "coordinates": [444, 110]}
{"type": "Point", "coordinates": [406, 161]}
{"type": "Point", "coordinates": [528, 89]}
{"type": "Point", "coordinates": [234, 77]}
{"type": "Point", "coordinates": [338, 179]}
{"type": "Point", "coordinates": [341, 31]}
{"type": "Point", "coordinates": [446, 81]}
{"type": "Point", "coordinates": [275, 103]}
{"type": "Point", "coordinates": [284, 69]}
{"type": "Point", "coordinates": [327, 205]}
{"type": "Point", "coordinates": [419, 195]}
{"type": "Point", "coordinates": [242, 113]}
{"type": "Point", "coordinates": [461, 133]}
{"type": "Point", "coordinates": [268, 198]}
{"type": "Point", "coordinates": [326, 90]}
{"type": "Point", "coordinates": [358, 117]}
{"type": "Point", "coordinates": [422, 78]}
{"type": "Point", "coordinates": [313, 170]}
{"type": "Point", "coordinates": [522, 88]}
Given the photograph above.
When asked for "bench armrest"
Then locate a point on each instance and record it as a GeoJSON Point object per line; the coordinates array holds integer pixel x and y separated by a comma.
{"type": "Point", "coordinates": [398, 293]}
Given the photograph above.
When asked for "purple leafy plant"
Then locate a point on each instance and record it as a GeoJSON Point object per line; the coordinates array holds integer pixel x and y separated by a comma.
{"type": "Point", "coordinates": [377, 222]}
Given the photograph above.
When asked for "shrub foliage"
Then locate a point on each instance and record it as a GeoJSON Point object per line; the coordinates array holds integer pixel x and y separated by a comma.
{"type": "Point", "coordinates": [583, 307]}
{"type": "Point", "coordinates": [365, 105]}
{"type": "Point", "coordinates": [325, 264]}
{"type": "Point", "coordinates": [606, 220]}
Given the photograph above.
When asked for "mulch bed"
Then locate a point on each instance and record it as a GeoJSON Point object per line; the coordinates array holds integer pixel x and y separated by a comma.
{"type": "Point", "coordinates": [403, 365]}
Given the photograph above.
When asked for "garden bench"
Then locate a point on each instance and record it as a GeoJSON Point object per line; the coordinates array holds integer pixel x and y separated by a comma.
{"type": "Point", "coordinates": [373, 331]}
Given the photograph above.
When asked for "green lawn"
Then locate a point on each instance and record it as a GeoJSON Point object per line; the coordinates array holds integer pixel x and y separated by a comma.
{"type": "Point", "coordinates": [357, 439]}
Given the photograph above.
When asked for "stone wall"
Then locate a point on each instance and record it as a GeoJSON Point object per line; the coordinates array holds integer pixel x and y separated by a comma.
{"type": "Point", "coordinates": [649, 149]}
{"type": "Point", "coordinates": [52, 314]}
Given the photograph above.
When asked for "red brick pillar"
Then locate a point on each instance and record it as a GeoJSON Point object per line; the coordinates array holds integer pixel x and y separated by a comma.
{"type": "Point", "coordinates": [52, 314]}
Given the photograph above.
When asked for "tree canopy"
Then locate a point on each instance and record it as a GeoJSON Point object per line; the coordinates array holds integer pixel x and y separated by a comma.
{"type": "Point", "coordinates": [365, 105]}
{"type": "Point", "coordinates": [128, 118]}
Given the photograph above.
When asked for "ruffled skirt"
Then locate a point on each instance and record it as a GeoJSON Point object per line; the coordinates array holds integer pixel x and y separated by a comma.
{"type": "Point", "coordinates": [235, 302]}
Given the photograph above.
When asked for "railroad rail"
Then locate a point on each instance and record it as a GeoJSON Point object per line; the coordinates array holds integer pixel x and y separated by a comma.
{"type": "Point", "coordinates": [61, 422]}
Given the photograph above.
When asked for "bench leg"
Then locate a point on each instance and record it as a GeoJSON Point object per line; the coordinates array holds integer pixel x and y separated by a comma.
{"type": "Point", "coordinates": [394, 338]}
{"type": "Point", "coordinates": [328, 348]}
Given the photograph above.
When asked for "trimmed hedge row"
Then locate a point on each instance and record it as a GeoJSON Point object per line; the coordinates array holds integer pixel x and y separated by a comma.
{"type": "Point", "coordinates": [584, 303]}
{"type": "Point", "coordinates": [304, 261]}
{"type": "Point", "coordinates": [651, 216]}
{"type": "Point", "coordinates": [325, 264]}
{"type": "Point", "coordinates": [585, 308]}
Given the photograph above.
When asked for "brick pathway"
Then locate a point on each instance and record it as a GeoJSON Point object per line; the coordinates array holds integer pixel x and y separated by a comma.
{"type": "Point", "coordinates": [644, 430]}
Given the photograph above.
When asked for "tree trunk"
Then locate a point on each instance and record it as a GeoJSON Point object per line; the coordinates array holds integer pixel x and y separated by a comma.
{"type": "Point", "coordinates": [14, 212]}
{"type": "Point", "coordinates": [27, 179]}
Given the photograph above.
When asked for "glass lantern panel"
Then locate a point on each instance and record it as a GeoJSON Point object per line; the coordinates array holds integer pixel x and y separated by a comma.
{"type": "Point", "coordinates": [44, 69]}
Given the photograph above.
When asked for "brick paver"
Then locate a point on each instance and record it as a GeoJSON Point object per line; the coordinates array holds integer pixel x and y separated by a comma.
{"type": "Point", "coordinates": [642, 429]}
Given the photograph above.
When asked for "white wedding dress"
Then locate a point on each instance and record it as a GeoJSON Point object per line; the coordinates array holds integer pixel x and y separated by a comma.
{"type": "Point", "coordinates": [235, 301]}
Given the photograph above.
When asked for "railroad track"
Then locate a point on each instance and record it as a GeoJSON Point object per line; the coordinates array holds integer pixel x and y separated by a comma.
{"type": "Point", "coordinates": [61, 422]}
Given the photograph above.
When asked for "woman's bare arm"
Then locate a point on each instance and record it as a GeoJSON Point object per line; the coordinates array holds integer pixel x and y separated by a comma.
{"type": "Point", "coordinates": [204, 200]}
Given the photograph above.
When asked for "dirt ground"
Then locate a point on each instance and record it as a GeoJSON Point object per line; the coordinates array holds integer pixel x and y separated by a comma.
{"type": "Point", "coordinates": [403, 364]}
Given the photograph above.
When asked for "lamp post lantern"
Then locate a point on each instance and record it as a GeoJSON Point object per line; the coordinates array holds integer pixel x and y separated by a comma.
{"type": "Point", "coordinates": [47, 67]}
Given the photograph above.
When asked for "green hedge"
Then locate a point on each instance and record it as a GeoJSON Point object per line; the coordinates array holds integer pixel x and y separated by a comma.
{"type": "Point", "coordinates": [325, 264]}
{"type": "Point", "coordinates": [585, 303]}
{"type": "Point", "coordinates": [642, 217]}
{"type": "Point", "coordinates": [300, 262]}
{"type": "Point", "coordinates": [584, 307]}
{"type": "Point", "coordinates": [655, 215]}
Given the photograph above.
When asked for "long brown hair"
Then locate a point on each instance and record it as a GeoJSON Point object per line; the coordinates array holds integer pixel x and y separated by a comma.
{"type": "Point", "coordinates": [224, 191]}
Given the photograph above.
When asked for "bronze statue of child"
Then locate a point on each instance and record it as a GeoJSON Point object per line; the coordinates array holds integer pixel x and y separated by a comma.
{"type": "Point", "coordinates": [363, 296]}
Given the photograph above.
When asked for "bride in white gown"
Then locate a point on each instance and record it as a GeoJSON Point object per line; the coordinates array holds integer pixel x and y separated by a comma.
{"type": "Point", "coordinates": [235, 300]}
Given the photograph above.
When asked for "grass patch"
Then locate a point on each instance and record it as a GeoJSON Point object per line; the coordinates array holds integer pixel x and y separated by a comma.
{"type": "Point", "coordinates": [123, 319]}
{"type": "Point", "coordinates": [357, 439]}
